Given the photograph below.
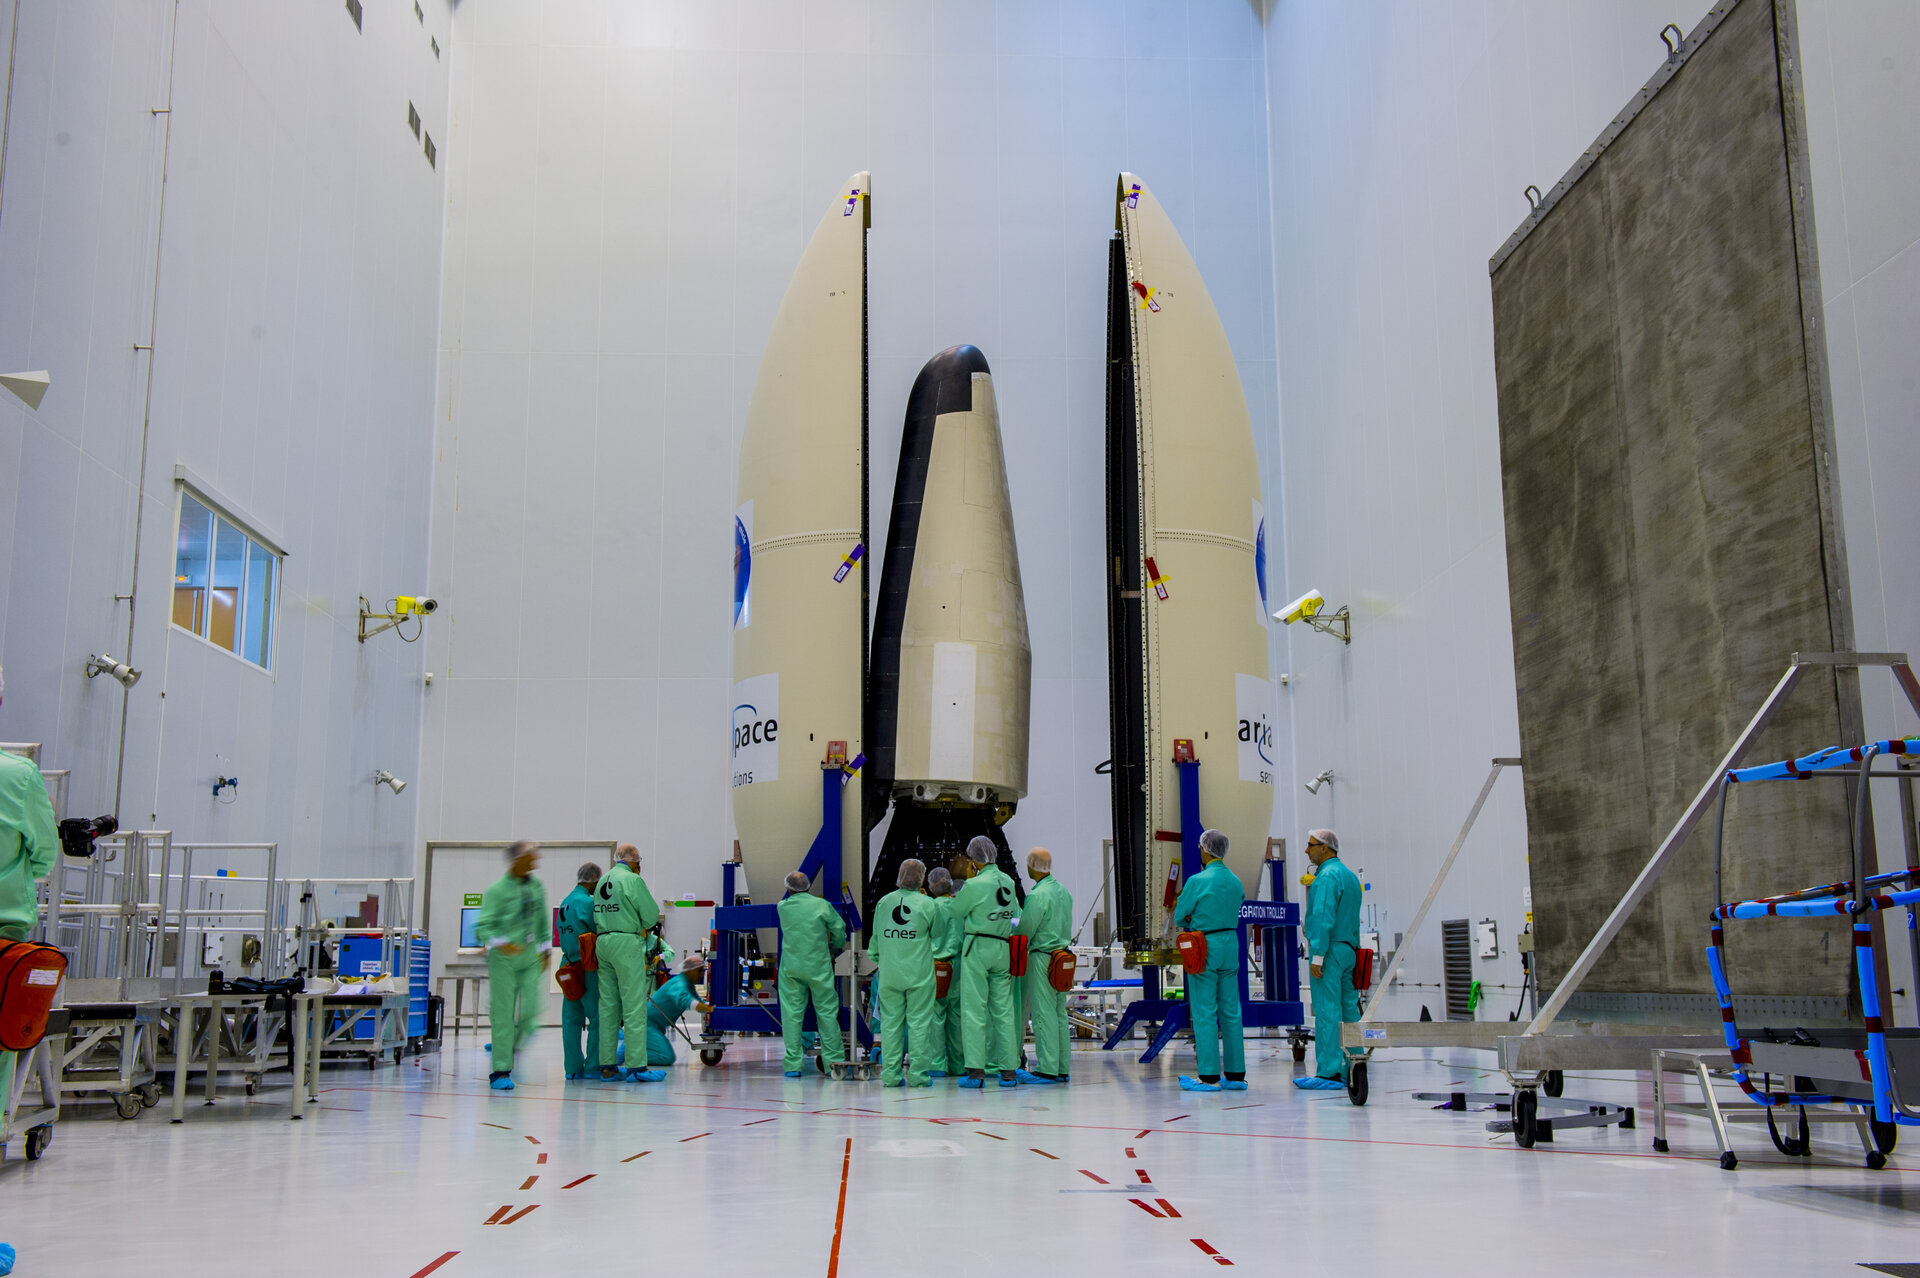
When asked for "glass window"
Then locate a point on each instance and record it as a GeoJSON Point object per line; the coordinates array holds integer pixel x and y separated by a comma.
{"type": "Point", "coordinates": [224, 583]}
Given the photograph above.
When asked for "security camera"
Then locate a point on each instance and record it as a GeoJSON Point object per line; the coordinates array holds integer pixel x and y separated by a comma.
{"type": "Point", "coordinates": [1301, 609]}
{"type": "Point", "coordinates": [120, 670]}
{"type": "Point", "coordinates": [414, 605]}
{"type": "Point", "coordinates": [386, 778]}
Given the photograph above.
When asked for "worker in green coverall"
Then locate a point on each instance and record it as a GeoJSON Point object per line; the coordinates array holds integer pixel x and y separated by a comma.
{"type": "Point", "coordinates": [984, 912]}
{"type": "Point", "coordinates": [29, 848]}
{"type": "Point", "coordinates": [811, 933]}
{"type": "Point", "coordinates": [518, 934]}
{"type": "Point", "coordinates": [1333, 941]}
{"type": "Point", "coordinates": [947, 1023]}
{"type": "Point", "coordinates": [583, 1013]}
{"type": "Point", "coordinates": [904, 924]}
{"type": "Point", "coordinates": [1046, 920]}
{"type": "Point", "coordinates": [1210, 904]}
{"type": "Point", "coordinates": [623, 910]}
{"type": "Point", "coordinates": [669, 1003]}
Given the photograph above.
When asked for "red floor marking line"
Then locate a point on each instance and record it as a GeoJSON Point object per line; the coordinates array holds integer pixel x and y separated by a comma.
{"type": "Point", "coordinates": [583, 1180]}
{"type": "Point", "coordinates": [1218, 1259]}
{"type": "Point", "coordinates": [540, 1161]}
{"type": "Point", "coordinates": [642, 1154]}
{"type": "Point", "coordinates": [1095, 1179]}
{"type": "Point", "coordinates": [1255, 1105]}
{"type": "Point", "coordinates": [502, 1126]}
{"type": "Point", "coordinates": [518, 1214]}
{"type": "Point", "coordinates": [685, 1139]}
{"type": "Point", "coordinates": [1143, 1207]}
{"type": "Point", "coordinates": [495, 1218]}
{"type": "Point", "coordinates": [756, 1122]}
{"type": "Point", "coordinates": [1176, 1118]}
{"type": "Point", "coordinates": [533, 1140]}
{"type": "Point", "coordinates": [1166, 1207]}
{"type": "Point", "coordinates": [433, 1265]}
{"type": "Point", "coordinates": [1141, 1172]}
{"type": "Point", "coordinates": [988, 1135]}
{"type": "Point", "coordinates": [840, 1216]}
{"type": "Point", "coordinates": [527, 1184]}
{"type": "Point", "coordinates": [1142, 1134]}
{"type": "Point", "coordinates": [1043, 1153]}
{"type": "Point", "coordinates": [1130, 1153]}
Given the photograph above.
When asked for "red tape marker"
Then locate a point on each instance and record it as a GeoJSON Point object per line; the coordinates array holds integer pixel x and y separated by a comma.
{"type": "Point", "coordinates": [642, 1154]}
{"type": "Point", "coordinates": [583, 1180]}
{"type": "Point", "coordinates": [1095, 1179]}
{"type": "Point", "coordinates": [1043, 1153]}
{"type": "Point", "coordinates": [1143, 1207]}
{"type": "Point", "coordinates": [1166, 1206]}
{"type": "Point", "coordinates": [433, 1265]}
{"type": "Point", "coordinates": [527, 1184]}
{"type": "Point", "coordinates": [518, 1214]}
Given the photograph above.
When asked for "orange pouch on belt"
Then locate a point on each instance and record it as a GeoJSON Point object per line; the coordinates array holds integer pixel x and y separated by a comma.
{"type": "Point", "coordinates": [589, 958]}
{"type": "Point", "coordinates": [1060, 970]}
{"type": "Point", "coordinates": [942, 977]}
{"type": "Point", "coordinates": [572, 981]}
{"type": "Point", "coordinates": [30, 976]}
{"type": "Point", "coordinates": [1016, 956]}
{"type": "Point", "coordinates": [1193, 951]}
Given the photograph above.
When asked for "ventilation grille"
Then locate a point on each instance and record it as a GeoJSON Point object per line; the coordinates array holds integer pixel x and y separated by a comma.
{"type": "Point", "coordinates": [1456, 949]}
{"type": "Point", "coordinates": [433, 153]}
{"type": "Point", "coordinates": [436, 47]}
{"type": "Point", "coordinates": [353, 11]}
{"type": "Point", "coordinates": [413, 119]}
{"type": "Point", "coordinates": [419, 13]}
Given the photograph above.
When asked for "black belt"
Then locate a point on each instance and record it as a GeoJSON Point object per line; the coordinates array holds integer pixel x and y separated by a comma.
{"type": "Point", "coordinates": [993, 936]}
{"type": "Point", "coordinates": [1216, 931]}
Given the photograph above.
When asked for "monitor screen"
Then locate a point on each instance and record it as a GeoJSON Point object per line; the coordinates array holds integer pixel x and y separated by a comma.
{"type": "Point", "coordinates": [469, 927]}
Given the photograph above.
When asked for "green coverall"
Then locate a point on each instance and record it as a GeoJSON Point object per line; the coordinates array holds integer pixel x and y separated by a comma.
{"type": "Point", "coordinates": [984, 913]}
{"type": "Point", "coordinates": [29, 847]}
{"type": "Point", "coordinates": [904, 924]}
{"type": "Point", "coordinates": [623, 910]}
{"type": "Point", "coordinates": [667, 1005]}
{"type": "Point", "coordinates": [1047, 921]}
{"type": "Point", "coordinates": [513, 914]}
{"type": "Point", "coordinates": [576, 916]}
{"type": "Point", "coordinates": [1333, 939]}
{"type": "Point", "coordinates": [810, 932]}
{"type": "Point", "coordinates": [1210, 903]}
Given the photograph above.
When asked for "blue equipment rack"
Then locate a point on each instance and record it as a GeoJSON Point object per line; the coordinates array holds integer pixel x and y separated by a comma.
{"type": "Point", "coordinates": [1278, 919]}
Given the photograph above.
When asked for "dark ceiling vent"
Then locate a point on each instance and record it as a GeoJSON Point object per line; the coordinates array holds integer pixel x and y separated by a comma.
{"type": "Point", "coordinates": [353, 11]}
{"type": "Point", "coordinates": [413, 120]}
{"type": "Point", "coordinates": [436, 47]}
{"type": "Point", "coordinates": [433, 154]}
{"type": "Point", "coordinates": [419, 13]}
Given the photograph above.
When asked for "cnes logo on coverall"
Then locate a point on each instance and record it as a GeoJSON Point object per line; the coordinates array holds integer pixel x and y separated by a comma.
{"type": "Point", "coordinates": [901, 918]}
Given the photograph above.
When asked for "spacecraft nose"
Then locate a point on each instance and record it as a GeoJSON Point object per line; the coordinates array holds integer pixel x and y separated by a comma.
{"type": "Point", "coordinates": [945, 384]}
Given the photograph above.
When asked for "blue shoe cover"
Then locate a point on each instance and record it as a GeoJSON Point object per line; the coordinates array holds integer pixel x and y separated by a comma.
{"type": "Point", "coordinates": [645, 1076]}
{"type": "Point", "coordinates": [1191, 1084]}
{"type": "Point", "coordinates": [936, 1073]}
{"type": "Point", "coordinates": [793, 1073]}
{"type": "Point", "coordinates": [1318, 1084]}
{"type": "Point", "coordinates": [1233, 1084]}
{"type": "Point", "coordinates": [1028, 1076]}
{"type": "Point", "coordinates": [502, 1084]}
{"type": "Point", "coordinates": [970, 1081]}
{"type": "Point", "coordinates": [486, 1047]}
{"type": "Point", "coordinates": [6, 1258]}
{"type": "Point", "coordinates": [1011, 1080]}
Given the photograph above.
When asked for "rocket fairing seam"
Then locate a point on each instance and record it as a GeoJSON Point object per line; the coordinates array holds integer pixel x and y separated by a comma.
{"type": "Point", "coordinates": [831, 536]}
{"type": "Point", "coordinates": [1201, 537]}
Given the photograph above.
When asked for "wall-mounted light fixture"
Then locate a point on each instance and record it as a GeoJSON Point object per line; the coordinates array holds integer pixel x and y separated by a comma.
{"type": "Point", "coordinates": [386, 778]}
{"type": "Point", "coordinates": [1308, 607]}
{"type": "Point", "coordinates": [1325, 777]}
{"type": "Point", "coordinates": [106, 665]}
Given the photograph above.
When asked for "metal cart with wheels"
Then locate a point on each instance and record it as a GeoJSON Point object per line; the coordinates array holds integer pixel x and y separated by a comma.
{"type": "Point", "coordinates": [36, 1075]}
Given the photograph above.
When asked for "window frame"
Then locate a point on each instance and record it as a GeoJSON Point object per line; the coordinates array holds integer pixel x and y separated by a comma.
{"type": "Point", "coordinates": [187, 484]}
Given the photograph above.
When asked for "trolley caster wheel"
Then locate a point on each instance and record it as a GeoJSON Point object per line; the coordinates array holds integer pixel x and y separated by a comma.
{"type": "Point", "coordinates": [1728, 1161]}
{"type": "Point", "coordinates": [37, 1141]}
{"type": "Point", "coordinates": [1357, 1083]}
{"type": "Point", "coordinates": [127, 1105]}
{"type": "Point", "coordinates": [1526, 1107]}
{"type": "Point", "coordinates": [1659, 1145]}
{"type": "Point", "coordinates": [1299, 1051]}
{"type": "Point", "coordinates": [1554, 1083]}
{"type": "Point", "coordinates": [710, 1056]}
{"type": "Point", "coordinates": [149, 1095]}
{"type": "Point", "coordinates": [1885, 1135]}
{"type": "Point", "coordinates": [372, 1061]}
{"type": "Point", "coordinates": [1876, 1160]}
{"type": "Point", "coordinates": [251, 1086]}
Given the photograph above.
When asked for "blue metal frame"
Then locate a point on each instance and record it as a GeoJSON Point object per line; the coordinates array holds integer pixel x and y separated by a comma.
{"type": "Point", "coordinates": [1278, 918]}
{"type": "Point", "coordinates": [732, 1014]}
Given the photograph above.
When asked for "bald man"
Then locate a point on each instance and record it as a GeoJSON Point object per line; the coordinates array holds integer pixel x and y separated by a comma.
{"type": "Point", "coordinates": [1047, 922]}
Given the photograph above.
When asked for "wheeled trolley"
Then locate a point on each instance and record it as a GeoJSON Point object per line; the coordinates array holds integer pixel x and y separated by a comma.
{"type": "Point", "coordinates": [112, 1053]}
{"type": "Point", "coordinates": [36, 1078]}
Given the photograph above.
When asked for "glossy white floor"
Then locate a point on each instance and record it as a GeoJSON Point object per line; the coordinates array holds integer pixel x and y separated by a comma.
{"type": "Point", "coordinates": [737, 1170]}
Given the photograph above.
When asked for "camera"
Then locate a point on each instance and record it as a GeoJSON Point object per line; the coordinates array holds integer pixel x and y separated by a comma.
{"type": "Point", "coordinates": [78, 833]}
{"type": "Point", "coordinates": [414, 605]}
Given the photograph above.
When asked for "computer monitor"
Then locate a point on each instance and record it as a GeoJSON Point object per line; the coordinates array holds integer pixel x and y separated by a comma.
{"type": "Point", "coordinates": [469, 927]}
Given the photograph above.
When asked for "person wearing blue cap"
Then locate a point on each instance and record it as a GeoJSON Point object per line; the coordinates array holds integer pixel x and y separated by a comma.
{"type": "Point", "coordinates": [1333, 940]}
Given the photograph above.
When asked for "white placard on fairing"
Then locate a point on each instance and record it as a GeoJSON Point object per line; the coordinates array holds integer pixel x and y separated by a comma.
{"type": "Point", "coordinates": [1253, 704]}
{"type": "Point", "coordinates": [756, 730]}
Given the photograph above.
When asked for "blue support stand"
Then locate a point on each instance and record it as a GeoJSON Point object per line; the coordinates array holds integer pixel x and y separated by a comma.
{"type": "Point", "coordinates": [1278, 922]}
{"type": "Point", "coordinates": [732, 1012]}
